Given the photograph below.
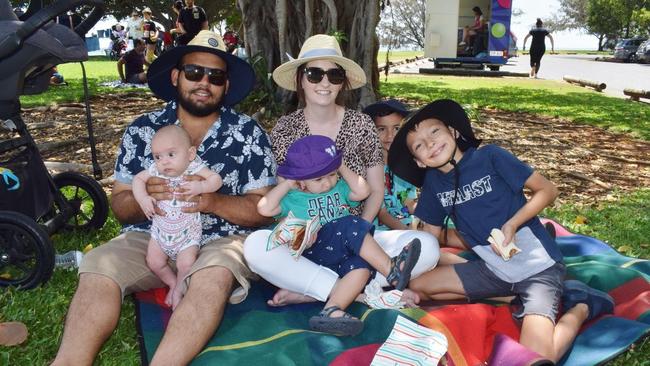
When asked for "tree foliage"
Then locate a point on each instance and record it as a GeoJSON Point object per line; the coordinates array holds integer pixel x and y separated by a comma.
{"type": "Point", "coordinates": [402, 23]}
{"type": "Point", "coordinates": [216, 10]}
{"type": "Point", "coordinates": [277, 30]}
{"type": "Point", "coordinates": [605, 19]}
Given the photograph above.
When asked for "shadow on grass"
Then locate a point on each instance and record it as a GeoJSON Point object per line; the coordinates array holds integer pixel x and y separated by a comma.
{"type": "Point", "coordinates": [616, 114]}
{"type": "Point", "coordinates": [72, 92]}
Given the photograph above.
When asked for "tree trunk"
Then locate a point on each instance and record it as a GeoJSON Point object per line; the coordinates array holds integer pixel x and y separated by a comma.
{"type": "Point", "coordinates": [600, 42]}
{"type": "Point", "coordinates": [357, 20]}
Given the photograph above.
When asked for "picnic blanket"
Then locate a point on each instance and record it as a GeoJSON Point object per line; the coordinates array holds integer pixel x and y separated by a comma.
{"type": "Point", "coordinates": [253, 333]}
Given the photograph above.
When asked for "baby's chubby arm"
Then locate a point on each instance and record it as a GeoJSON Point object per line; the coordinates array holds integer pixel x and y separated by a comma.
{"type": "Point", "coordinates": [543, 193]}
{"type": "Point", "coordinates": [139, 187]}
{"type": "Point", "coordinates": [359, 187]}
{"type": "Point", "coordinates": [269, 205]}
{"type": "Point", "coordinates": [211, 182]}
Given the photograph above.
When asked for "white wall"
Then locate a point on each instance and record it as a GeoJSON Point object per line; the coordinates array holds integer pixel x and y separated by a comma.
{"type": "Point", "coordinates": [441, 28]}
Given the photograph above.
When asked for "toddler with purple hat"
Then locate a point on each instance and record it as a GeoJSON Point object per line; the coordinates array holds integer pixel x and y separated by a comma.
{"type": "Point", "coordinates": [309, 186]}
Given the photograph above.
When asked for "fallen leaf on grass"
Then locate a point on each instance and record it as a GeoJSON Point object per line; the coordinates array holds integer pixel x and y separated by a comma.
{"type": "Point", "coordinates": [624, 248]}
{"type": "Point", "coordinates": [580, 220]}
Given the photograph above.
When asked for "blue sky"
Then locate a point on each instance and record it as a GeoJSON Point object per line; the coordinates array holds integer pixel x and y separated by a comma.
{"type": "Point", "coordinates": [543, 9]}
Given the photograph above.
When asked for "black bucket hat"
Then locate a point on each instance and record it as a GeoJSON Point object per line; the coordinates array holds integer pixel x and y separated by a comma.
{"type": "Point", "coordinates": [400, 159]}
{"type": "Point", "coordinates": [240, 72]}
{"type": "Point", "coordinates": [386, 107]}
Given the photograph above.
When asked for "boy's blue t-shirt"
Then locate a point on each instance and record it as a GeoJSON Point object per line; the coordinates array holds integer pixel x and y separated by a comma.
{"type": "Point", "coordinates": [490, 192]}
{"type": "Point", "coordinates": [328, 206]}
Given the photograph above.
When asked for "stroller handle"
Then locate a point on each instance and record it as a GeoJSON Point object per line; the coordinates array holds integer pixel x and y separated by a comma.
{"type": "Point", "coordinates": [15, 40]}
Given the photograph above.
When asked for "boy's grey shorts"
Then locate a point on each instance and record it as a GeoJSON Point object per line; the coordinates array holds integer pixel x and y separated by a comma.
{"type": "Point", "coordinates": [539, 294]}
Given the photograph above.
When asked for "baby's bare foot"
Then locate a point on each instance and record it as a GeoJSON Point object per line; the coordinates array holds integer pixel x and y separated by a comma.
{"type": "Point", "coordinates": [285, 297]}
{"type": "Point", "coordinates": [170, 297]}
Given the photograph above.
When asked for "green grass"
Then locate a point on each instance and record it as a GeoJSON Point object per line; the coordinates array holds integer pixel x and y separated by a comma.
{"type": "Point", "coordinates": [98, 70]}
{"type": "Point", "coordinates": [396, 56]}
{"type": "Point", "coordinates": [545, 97]}
{"type": "Point", "coordinates": [43, 311]}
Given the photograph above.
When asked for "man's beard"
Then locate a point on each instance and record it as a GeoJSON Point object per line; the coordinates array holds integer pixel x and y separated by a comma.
{"type": "Point", "coordinates": [194, 109]}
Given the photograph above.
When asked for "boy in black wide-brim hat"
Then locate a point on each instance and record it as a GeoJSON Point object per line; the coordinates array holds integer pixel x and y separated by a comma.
{"type": "Point", "coordinates": [481, 189]}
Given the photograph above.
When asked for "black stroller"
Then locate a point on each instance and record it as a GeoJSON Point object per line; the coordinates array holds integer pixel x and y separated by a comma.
{"type": "Point", "coordinates": [34, 204]}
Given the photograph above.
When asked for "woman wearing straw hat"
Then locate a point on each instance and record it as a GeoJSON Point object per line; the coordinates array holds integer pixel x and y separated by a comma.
{"type": "Point", "coordinates": [321, 75]}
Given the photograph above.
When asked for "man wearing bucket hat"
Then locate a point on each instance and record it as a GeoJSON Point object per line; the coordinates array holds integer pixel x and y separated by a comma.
{"type": "Point", "coordinates": [321, 75]}
{"type": "Point", "coordinates": [482, 190]}
{"type": "Point", "coordinates": [201, 83]}
{"type": "Point", "coordinates": [311, 188]}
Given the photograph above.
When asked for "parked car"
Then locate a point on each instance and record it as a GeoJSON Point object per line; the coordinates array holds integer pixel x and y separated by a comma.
{"type": "Point", "coordinates": [643, 52]}
{"type": "Point", "coordinates": [626, 49]}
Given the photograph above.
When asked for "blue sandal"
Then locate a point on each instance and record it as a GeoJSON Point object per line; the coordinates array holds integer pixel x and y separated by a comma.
{"type": "Point", "coordinates": [345, 325]}
{"type": "Point", "coordinates": [406, 259]}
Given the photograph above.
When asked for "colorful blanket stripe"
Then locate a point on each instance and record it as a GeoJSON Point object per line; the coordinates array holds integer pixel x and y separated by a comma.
{"type": "Point", "coordinates": [254, 333]}
{"type": "Point", "coordinates": [410, 344]}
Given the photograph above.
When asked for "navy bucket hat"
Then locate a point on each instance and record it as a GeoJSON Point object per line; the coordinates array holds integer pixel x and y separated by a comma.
{"type": "Point", "coordinates": [310, 157]}
{"type": "Point", "coordinates": [386, 107]}
{"type": "Point", "coordinates": [400, 159]}
{"type": "Point", "coordinates": [241, 76]}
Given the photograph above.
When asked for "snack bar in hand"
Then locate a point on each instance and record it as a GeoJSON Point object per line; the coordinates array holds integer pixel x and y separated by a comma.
{"type": "Point", "coordinates": [497, 238]}
{"type": "Point", "coordinates": [297, 234]}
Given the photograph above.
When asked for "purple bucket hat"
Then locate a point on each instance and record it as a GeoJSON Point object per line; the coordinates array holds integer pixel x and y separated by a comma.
{"type": "Point", "coordinates": [310, 157]}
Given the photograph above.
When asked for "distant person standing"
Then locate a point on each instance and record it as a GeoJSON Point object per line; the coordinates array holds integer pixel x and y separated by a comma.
{"type": "Point", "coordinates": [537, 46]}
{"type": "Point", "coordinates": [191, 20]}
{"type": "Point", "coordinates": [150, 35]}
{"type": "Point", "coordinates": [176, 31]}
{"type": "Point", "coordinates": [134, 26]}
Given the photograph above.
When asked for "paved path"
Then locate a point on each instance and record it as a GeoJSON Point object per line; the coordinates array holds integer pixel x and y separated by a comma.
{"type": "Point", "coordinates": [617, 76]}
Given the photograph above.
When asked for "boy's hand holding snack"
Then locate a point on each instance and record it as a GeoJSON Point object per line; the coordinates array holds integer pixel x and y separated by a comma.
{"type": "Point", "coordinates": [497, 242]}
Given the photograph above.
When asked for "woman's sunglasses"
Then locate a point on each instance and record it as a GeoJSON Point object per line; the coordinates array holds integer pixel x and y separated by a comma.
{"type": "Point", "coordinates": [335, 76]}
{"type": "Point", "coordinates": [217, 77]}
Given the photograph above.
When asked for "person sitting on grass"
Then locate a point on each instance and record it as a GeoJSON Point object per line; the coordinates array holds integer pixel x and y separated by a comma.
{"type": "Point", "coordinates": [399, 195]}
{"type": "Point", "coordinates": [482, 189]}
{"type": "Point", "coordinates": [56, 78]}
{"type": "Point", "coordinates": [175, 235]}
{"type": "Point", "coordinates": [133, 61]}
{"type": "Point", "coordinates": [310, 187]}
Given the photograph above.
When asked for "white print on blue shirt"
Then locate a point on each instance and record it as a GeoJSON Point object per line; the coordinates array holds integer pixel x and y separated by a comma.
{"type": "Point", "coordinates": [467, 192]}
{"type": "Point", "coordinates": [326, 207]}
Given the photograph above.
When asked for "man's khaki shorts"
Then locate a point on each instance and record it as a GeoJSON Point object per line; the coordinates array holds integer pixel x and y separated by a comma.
{"type": "Point", "coordinates": [123, 259]}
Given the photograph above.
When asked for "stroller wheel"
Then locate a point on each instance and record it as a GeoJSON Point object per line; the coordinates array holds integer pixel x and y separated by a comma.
{"type": "Point", "coordinates": [86, 198]}
{"type": "Point", "coordinates": [26, 253]}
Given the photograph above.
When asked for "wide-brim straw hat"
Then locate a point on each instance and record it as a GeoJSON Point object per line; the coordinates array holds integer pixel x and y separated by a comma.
{"type": "Point", "coordinates": [319, 47]}
{"type": "Point", "coordinates": [146, 10]}
{"type": "Point", "coordinates": [241, 75]}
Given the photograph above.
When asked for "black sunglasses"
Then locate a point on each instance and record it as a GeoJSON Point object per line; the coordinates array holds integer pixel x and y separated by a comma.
{"type": "Point", "coordinates": [195, 73]}
{"type": "Point", "coordinates": [335, 76]}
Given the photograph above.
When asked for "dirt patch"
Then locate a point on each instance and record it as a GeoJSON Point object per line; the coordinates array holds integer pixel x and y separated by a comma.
{"type": "Point", "coordinates": [586, 163]}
